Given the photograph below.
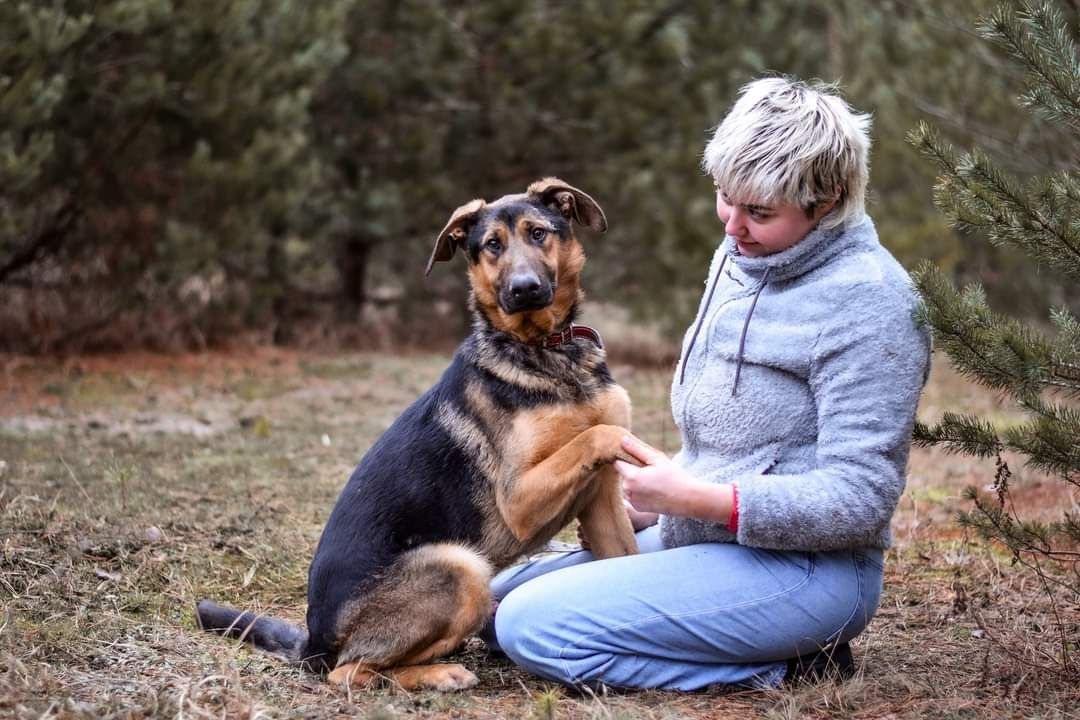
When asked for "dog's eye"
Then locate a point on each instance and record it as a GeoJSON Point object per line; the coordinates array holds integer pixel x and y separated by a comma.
{"type": "Point", "coordinates": [493, 244]}
{"type": "Point", "coordinates": [538, 233]}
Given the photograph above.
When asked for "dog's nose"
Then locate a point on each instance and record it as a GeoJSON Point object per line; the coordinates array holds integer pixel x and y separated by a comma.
{"type": "Point", "coordinates": [525, 291]}
{"type": "Point", "coordinates": [525, 287]}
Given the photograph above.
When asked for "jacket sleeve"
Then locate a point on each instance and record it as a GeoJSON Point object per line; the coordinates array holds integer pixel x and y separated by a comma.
{"type": "Point", "coordinates": [867, 369]}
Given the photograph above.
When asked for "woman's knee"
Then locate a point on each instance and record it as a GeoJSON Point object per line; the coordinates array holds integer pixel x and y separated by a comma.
{"type": "Point", "coordinates": [528, 633]}
{"type": "Point", "coordinates": [552, 639]}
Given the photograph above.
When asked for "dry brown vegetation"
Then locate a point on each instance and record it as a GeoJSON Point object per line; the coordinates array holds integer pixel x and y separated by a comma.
{"type": "Point", "coordinates": [130, 487]}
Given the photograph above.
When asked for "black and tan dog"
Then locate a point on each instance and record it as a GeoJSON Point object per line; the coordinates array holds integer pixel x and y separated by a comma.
{"type": "Point", "coordinates": [514, 441]}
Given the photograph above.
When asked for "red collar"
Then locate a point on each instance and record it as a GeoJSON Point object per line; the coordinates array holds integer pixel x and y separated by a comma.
{"type": "Point", "coordinates": [572, 331]}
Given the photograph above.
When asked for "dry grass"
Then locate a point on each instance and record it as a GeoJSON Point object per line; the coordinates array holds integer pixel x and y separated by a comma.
{"type": "Point", "coordinates": [130, 487]}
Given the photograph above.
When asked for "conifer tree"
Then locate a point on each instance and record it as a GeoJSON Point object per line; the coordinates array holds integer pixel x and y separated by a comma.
{"type": "Point", "coordinates": [153, 157]}
{"type": "Point", "coordinates": [1038, 368]}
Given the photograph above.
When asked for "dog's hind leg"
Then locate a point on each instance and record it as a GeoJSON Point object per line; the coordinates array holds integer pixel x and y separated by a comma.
{"type": "Point", "coordinates": [444, 677]}
{"type": "Point", "coordinates": [604, 519]}
{"type": "Point", "coordinates": [428, 602]}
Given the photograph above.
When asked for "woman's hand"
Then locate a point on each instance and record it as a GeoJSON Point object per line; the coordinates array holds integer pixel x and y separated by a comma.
{"type": "Point", "coordinates": [661, 486]}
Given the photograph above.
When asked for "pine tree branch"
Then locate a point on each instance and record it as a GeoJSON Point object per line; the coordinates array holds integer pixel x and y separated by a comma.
{"type": "Point", "coordinates": [1003, 146]}
{"type": "Point", "coordinates": [993, 523]}
{"type": "Point", "coordinates": [1035, 37]}
{"type": "Point", "coordinates": [1051, 34]}
{"type": "Point", "coordinates": [962, 434]}
{"type": "Point", "coordinates": [1008, 230]}
{"type": "Point", "coordinates": [1059, 622]}
{"type": "Point", "coordinates": [1049, 440]}
{"type": "Point", "coordinates": [973, 194]}
{"type": "Point", "coordinates": [954, 334]}
{"type": "Point", "coordinates": [1000, 352]}
{"type": "Point", "coordinates": [1070, 526]}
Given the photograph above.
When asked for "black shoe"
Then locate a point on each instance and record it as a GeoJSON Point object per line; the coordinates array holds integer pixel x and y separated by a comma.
{"type": "Point", "coordinates": [487, 634]}
{"type": "Point", "coordinates": [831, 663]}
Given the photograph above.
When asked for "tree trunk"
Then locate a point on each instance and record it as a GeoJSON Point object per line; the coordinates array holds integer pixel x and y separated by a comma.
{"type": "Point", "coordinates": [354, 256]}
{"type": "Point", "coordinates": [278, 282]}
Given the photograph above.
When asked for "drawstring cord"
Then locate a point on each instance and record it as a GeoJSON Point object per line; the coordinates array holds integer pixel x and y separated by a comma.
{"type": "Point", "coordinates": [746, 324]}
{"type": "Point", "coordinates": [742, 336]}
{"type": "Point", "coordinates": [708, 301]}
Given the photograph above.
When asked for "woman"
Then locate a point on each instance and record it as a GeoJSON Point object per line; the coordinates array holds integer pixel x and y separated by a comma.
{"type": "Point", "coordinates": [761, 540]}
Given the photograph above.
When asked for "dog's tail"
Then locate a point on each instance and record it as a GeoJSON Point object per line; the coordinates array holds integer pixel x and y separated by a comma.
{"type": "Point", "coordinates": [266, 633]}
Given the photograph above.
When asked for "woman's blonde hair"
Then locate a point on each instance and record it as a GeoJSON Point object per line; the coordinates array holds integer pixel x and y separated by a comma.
{"type": "Point", "coordinates": [785, 141]}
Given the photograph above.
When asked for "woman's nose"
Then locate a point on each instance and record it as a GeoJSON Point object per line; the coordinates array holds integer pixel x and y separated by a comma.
{"type": "Point", "coordinates": [736, 221]}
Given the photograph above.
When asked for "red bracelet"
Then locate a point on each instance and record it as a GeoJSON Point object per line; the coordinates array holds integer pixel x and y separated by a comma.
{"type": "Point", "coordinates": [733, 521]}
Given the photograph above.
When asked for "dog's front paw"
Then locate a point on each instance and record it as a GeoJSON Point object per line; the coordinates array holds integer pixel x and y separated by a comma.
{"type": "Point", "coordinates": [353, 675]}
{"type": "Point", "coordinates": [607, 446]}
{"type": "Point", "coordinates": [446, 677]}
{"type": "Point", "coordinates": [606, 441]}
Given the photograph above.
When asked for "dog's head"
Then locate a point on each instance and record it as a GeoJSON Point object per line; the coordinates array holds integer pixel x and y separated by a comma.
{"type": "Point", "coordinates": [524, 259]}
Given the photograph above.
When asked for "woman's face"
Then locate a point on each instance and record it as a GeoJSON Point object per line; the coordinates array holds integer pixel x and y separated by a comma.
{"type": "Point", "coordinates": [766, 229]}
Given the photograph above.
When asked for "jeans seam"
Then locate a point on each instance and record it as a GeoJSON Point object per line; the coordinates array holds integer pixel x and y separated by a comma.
{"type": "Point", "coordinates": [806, 579]}
{"type": "Point", "coordinates": [858, 601]}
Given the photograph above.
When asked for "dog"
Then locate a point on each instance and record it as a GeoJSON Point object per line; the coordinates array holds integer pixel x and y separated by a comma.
{"type": "Point", "coordinates": [513, 442]}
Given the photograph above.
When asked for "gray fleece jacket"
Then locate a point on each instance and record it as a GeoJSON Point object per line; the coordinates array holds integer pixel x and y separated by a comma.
{"type": "Point", "coordinates": [798, 383]}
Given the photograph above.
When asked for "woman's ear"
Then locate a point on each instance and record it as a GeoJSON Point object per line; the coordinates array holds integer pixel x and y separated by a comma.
{"type": "Point", "coordinates": [823, 208]}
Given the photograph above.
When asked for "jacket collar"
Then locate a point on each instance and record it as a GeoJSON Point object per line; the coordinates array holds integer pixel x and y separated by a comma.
{"type": "Point", "coordinates": [817, 248]}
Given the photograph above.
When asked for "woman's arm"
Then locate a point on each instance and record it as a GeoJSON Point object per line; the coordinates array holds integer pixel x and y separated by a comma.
{"type": "Point", "coordinates": [867, 370]}
{"type": "Point", "coordinates": [661, 486]}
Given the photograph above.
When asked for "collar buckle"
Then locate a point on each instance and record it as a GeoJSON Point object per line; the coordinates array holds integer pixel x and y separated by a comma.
{"type": "Point", "coordinates": [570, 332]}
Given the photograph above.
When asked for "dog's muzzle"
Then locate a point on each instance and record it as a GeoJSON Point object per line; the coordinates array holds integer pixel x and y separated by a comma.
{"type": "Point", "coordinates": [525, 291]}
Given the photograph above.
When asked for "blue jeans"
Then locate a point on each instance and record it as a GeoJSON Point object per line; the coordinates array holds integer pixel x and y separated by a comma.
{"type": "Point", "coordinates": [681, 619]}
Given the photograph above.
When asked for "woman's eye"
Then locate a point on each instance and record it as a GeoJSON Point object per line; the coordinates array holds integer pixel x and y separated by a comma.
{"type": "Point", "coordinates": [538, 234]}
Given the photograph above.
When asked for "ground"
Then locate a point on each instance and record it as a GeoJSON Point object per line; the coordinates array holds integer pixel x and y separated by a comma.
{"type": "Point", "coordinates": [132, 486]}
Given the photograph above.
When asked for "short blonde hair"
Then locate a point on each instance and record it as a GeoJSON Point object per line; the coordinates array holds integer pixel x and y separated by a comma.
{"type": "Point", "coordinates": [785, 141]}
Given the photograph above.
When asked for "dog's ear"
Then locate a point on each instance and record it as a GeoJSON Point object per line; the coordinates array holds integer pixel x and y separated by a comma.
{"type": "Point", "coordinates": [571, 202]}
{"type": "Point", "coordinates": [453, 235]}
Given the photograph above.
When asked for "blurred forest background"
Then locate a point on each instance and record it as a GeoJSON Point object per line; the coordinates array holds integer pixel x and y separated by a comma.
{"type": "Point", "coordinates": [176, 174]}
{"type": "Point", "coordinates": [188, 174]}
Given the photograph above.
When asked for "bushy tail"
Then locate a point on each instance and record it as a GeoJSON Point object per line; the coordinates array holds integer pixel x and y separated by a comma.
{"type": "Point", "coordinates": [266, 633]}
